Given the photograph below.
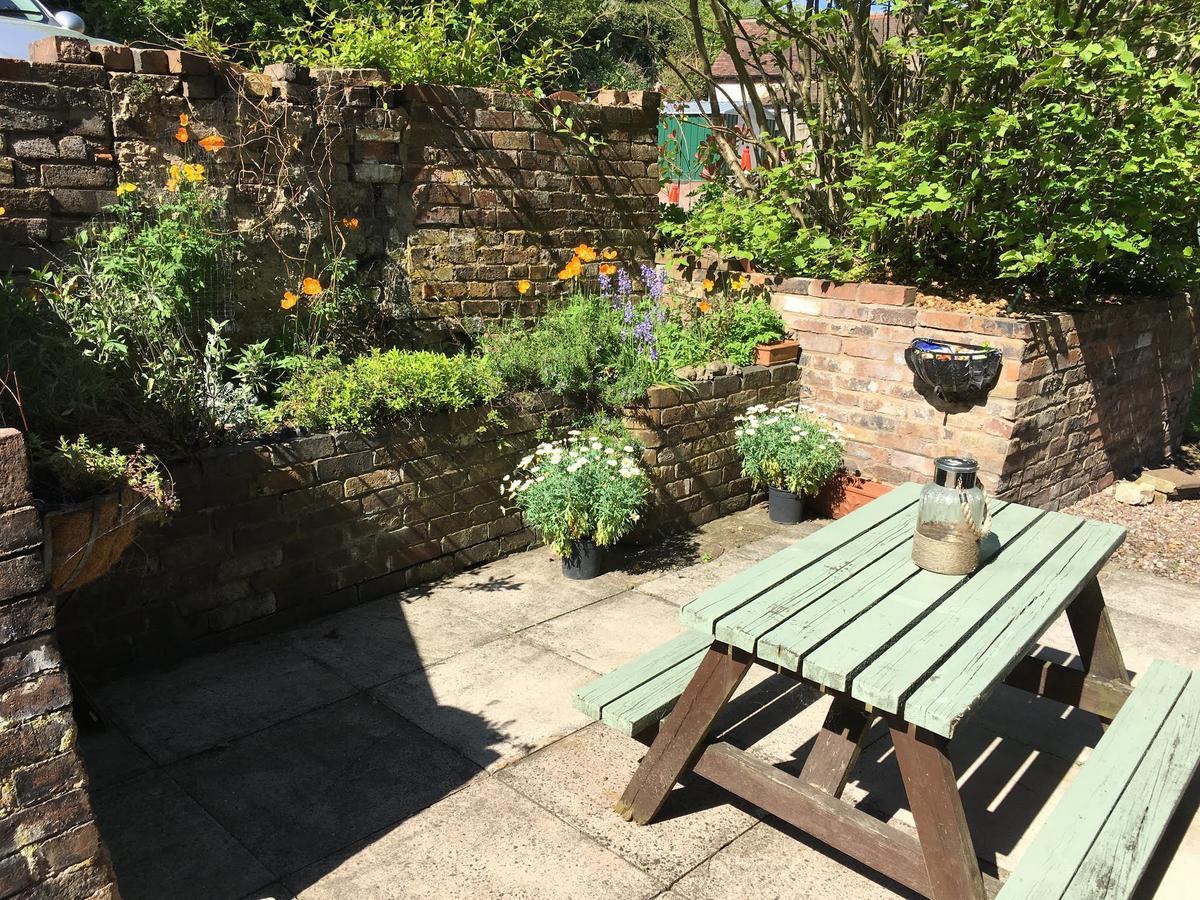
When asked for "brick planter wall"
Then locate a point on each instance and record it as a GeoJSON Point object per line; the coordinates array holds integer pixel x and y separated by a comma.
{"type": "Point", "coordinates": [273, 533]}
{"type": "Point", "coordinates": [459, 192]}
{"type": "Point", "coordinates": [1083, 398]}
{"type": "Point", "coordinates": [49, 845]}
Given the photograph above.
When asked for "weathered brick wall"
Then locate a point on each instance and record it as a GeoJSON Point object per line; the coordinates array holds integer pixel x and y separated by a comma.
{"type": "Point", "coordinates": [459, 193]}
{"type": "Point", "coordinates": [49, 845]}
{"type": "Point", "coordinates": [273, 533]}
{"type": "Point", "coordinates": [1083, 398]}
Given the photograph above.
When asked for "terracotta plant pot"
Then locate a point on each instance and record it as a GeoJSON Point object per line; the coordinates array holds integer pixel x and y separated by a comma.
{"type": "Point", "coordinates": [776, 352]}
{"type": "Point", "coordinates": [85, 540]}
{"type": "Point", "coordinates": [845, 493]}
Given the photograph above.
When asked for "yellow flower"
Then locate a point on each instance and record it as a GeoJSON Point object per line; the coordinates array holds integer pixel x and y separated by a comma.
{"type": "Point", "coordinates": [608, 269]}
{"type": "Point", "coordinates": [311, 287]}
{"type": "Point", "coordinates": [212, 143]}
{"type": "Point", "coordinates": [523, 286]}
{"type": "Point", "coordinates": [585, 253]}
{"type": "Point", "coordinates": [608, 253]}
{"type": "Point", "coordinates": [708, 284]}
{"type": "Point", "coordinates": [125, 187]}
{"type": "Point", "coordinates": [172, 185]}
{"type": "Point", "coordinates": [184, 118]}
{"type": "Point", "coordinates": [182, 135]}
{"type": "Point", "coordinates": [289, 300]}
{"type": "Point", "coordinates": [351, 223]}
{"type": "Point", "coordinates": [740, 283]}
{"type": "Point", "coordinates": [2, 210]}
{"type": "Point", "coordinates": [193, 172]}
{"type": "Point", "coordinates": [704, 306]}
{"type": "Point", "coordinates": [571, 269]}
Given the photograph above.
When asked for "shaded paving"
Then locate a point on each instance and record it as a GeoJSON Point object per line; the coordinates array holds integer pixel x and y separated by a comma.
{"type": "Point", "coordinates": [424, 745]}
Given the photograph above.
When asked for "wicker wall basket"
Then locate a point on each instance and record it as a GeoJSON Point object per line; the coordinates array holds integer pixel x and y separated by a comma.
{"type": "Point", "coordinates": [85, 540]}
{"type": "Point", "coordinates": [952, 370]}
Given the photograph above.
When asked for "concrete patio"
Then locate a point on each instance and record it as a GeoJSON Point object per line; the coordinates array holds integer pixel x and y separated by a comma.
{"type": "Point", "coordinates": [424, 745]}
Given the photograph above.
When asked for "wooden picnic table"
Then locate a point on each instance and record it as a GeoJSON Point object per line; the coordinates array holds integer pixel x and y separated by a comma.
{"type": "Point", "coordinates": [845, 609]}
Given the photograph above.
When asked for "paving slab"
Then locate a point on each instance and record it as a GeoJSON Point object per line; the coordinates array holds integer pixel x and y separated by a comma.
{"type": "Point", "coordinates": [272, 891]}
{"type": "Point", "coordinates": [525, 589]}
{"type": "Point", "coordinates": [110, 757]}
{"type": "Point", "coordinates": [580, 778]}
{"type": "Point", "coordinates": [1173, 602]}
{"type": "Point", "coordinates": [163, 844]}
{"type": "Point", "coordinates": [373, 643]}
{"type": "Point", "coordinates": [783, 864]}
{"type": "Point", "coordinates": [609, 632]}
{"type": "Point", "coordinates": [306, 787]}
{"type": "Point", "coordinates": [495, 703]}
{"type": "Point", "coordinates": [487, 841]}
{"type": "Point", "coordinates": [1142, 639]}
{"type": "Point", "coordinates": [210, 700]}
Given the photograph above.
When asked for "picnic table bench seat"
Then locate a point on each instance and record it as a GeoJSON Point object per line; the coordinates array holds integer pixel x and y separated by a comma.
{"type": "Point", "coordinates": [633, 698]}
{"type": "Point", "coordinates": [1099, 839]}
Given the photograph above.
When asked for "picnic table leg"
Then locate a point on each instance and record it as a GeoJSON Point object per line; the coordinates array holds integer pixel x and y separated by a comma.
{"type": "Point", "coordinates": [681, 736]}
{"type": "Point", "coordinates": [838, 744]}
{"type": "Point", "coordinates": [937, 808]}
{"type": "Point", "coordinates": [1094, 636]}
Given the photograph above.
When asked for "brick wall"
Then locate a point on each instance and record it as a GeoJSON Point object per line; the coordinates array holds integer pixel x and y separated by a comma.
{"type": "Point", "coordinates": [273, 533]}
{"type": "Point", "coordinates": [458, 192]}
{"type": "Point", "coordinates": [49, 845]}
{"type": "Point", "coordinates": [1082, 399]}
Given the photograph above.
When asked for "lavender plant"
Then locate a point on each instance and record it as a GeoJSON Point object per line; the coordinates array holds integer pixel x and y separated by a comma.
{"type": "Point", "coordinates": [588, 486]}
{"type": "Point", "coordinates": [788, 447]}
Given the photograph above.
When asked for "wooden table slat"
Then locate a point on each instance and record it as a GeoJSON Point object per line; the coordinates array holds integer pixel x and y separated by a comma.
{"type": "Point", "coordinates": [650, 702]}
{"type": "Point", "coordinates": [1122, 850]}
{"type": "Point", "coordinates": [745, 625]}
{"type": "Point", "coordinates": [1052, 860]}
{"type": "Point", "coordinates": [743, 587]}
{"type": "Point", "coordinates": [900, 668]}
{"type": "Point", "coordinates": [991, 650]}
{"type": "Point", "coordinates": [835, 662]}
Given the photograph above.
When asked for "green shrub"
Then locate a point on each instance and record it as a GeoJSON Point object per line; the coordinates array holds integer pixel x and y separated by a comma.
{"type": "Point", "coordinates": [83, 469]}
{"type": "Point", "coordinates": [587, 486]}
{"type": "Point", "coordinates": [784, 448]}
{"type": "Point", "coordinates": [379, 388]}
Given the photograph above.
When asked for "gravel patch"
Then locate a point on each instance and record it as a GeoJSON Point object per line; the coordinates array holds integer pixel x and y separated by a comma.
{"type": "Point", "coordinates": [1163, 538]}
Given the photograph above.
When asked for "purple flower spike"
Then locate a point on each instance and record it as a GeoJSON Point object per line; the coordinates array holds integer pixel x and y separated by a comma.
{"type": "Point", "coordinates": [653, 282]}
{"type": "Point", "coordinates": [624, 284]}
{"type": "Point", "coordinates": [628, 312]}
{"type": "Point", "coordinates": [605, 285]}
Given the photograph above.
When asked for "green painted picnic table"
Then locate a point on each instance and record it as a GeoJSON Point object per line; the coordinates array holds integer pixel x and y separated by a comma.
{"type": "Point", "coordinates": [846, 609]}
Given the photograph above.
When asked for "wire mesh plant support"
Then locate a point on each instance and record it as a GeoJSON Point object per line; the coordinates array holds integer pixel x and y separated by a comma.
{"type": "Point", "coordinates": [952, 370]}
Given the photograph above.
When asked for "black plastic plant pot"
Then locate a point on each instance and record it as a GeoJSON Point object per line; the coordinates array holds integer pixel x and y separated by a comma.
{"type": "Point", "coordinates": [784, 507]}
{"type": "Point", "coordinates": [954, 371]}
{"type": "Point", "coordinates": [584, 562]}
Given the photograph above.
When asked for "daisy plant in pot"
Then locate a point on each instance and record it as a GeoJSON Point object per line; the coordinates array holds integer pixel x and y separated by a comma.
{"type": "Point", "coordinates": [789, 451]}
{"type": "Point", "coordinates": [581, 495]}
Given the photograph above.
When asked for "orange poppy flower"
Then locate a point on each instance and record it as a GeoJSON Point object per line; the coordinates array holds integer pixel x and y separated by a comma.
{"type": "Point", "coordinates": [182, 135]}
{"type": "Point", "coordinates": [289, 300]}
{"type": "Point", "coordinates": [585, 253]}
{"type": "Point", "coordinates": [311, 287]}
{"type": "Point", "coordinates": [212, 143]}
{"type": "Point", "coordinates": [708, 284]}
{"type": "Point", "coordinates": [184, 119]}
{"type": "Point", "coordinates": [571, 269]}
{"type": "Point", "coordinates": [608, 269]}
{"type": "Point", "coordinates": [704, 306]}
{"type": "Point", "coordinates": [351, 223]}
{"type": "Point", "coordinates": [608, 253]}
{"type": "Point", "coordinates": [523, 286]}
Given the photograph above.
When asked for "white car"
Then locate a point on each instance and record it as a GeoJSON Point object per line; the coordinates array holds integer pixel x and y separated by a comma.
{"type": "Point", "coordinates": [25, 21]}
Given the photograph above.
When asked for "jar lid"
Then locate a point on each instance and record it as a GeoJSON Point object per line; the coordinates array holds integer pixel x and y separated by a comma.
{"type": "Point", "coordinates": [959, 471]}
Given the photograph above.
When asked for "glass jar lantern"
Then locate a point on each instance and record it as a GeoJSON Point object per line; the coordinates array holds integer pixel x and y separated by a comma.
{"type": "Point", "coordinates": [952, 518]}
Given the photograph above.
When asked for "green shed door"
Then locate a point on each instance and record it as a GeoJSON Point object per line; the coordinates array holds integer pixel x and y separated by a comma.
{"type": "Point", "coordinates": [691, 131]}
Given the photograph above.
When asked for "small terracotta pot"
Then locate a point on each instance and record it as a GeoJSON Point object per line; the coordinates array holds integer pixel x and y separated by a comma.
{"type": "Point", "coordinates": [85, 540]}
{"type": "Point", "coordinates": [776, 352]}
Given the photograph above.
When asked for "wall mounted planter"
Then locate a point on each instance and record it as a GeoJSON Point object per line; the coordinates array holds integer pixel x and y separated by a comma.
{"type": "Point", "coordinates": [776, 352]}
{"type": "Point", "coordinates": [952, 370]}
{"type": "Point", "coordinates": [85, 540]}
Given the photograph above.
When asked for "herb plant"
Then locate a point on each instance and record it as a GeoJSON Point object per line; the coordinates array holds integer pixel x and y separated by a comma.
{"type": "Point", "coordinates": [788, 448]}
{"type": "Point", "coordinates": [84, 469]}
{"type": "Point", "coordinates": [589, 486]}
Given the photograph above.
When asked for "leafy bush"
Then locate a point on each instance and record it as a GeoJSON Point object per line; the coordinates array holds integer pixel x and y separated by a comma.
{"type": "Point", "coordinates": [438, 42]}
{"type": "Point", "coordinates": [379, 388]}
{"type": "Point", "coordinates": [784, 448]}
{"type": "Point", "coordinates": [84, 469]}
{"type": "Point", "coordinates": [1047, 145]}
{"type": "Point", "coordinates": [587, 486]}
